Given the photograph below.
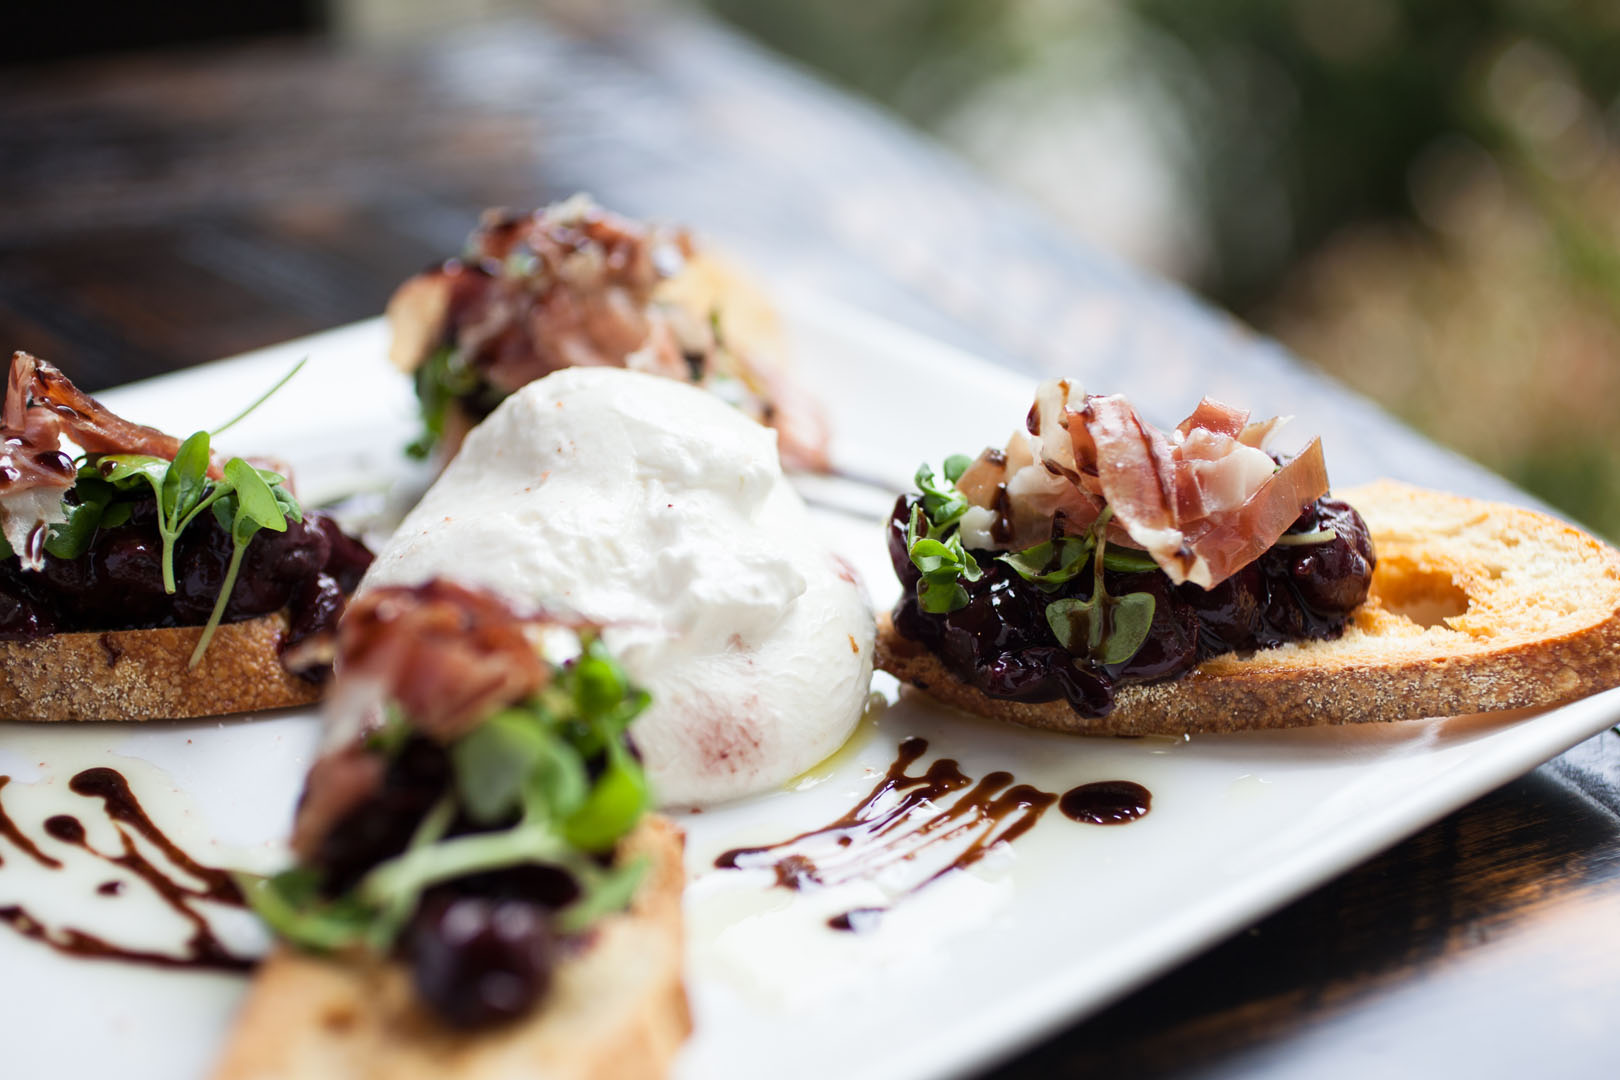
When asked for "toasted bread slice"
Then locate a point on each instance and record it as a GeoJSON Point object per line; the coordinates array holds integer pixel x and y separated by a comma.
{"type": "Point", "coordinates": [616, 1011]}
{"type": "Point", "coordinates": [1475, 606]}
{"type": "Point", "coordinates": [144, 674]}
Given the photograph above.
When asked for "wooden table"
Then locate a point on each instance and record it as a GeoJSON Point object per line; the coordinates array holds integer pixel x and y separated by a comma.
{"type": "Point", "coordinates": [162, 211]}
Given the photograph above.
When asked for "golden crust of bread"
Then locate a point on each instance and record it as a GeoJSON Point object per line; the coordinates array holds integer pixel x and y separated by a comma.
{"type": "Point", "coordinates": [1475, 606]}
{"type": "Point", "coordinates": [143, 674]}
{"type": "Point", "coordinates": [615, 1011]}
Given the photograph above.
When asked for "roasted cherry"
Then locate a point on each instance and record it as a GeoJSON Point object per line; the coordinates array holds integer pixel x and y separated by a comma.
{"type": "Point", "coordinates": [478, 961]}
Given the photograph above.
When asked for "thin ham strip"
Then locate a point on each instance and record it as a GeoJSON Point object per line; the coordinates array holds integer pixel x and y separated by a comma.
{"type": "Point", "coordinates": [1204, 500]}
{"type": "Point", "coordinates": [1227, 543]}
{"type": "Point", "coordinates": [448, 656]}
{"type": "Point", "coordinates": [42, 407]}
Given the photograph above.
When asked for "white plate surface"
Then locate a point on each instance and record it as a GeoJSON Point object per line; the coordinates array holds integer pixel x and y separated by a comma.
{"type": "Point", "coordinates": [969, 970]}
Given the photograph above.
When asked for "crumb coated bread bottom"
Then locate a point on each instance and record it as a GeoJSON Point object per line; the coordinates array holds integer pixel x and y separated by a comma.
{"type": "Point", "coordinates": [1474, 607]}
{"type": "Point", "coordinates": [617, 1008]}
{"type": "Point", "coordinates": [144, 674]}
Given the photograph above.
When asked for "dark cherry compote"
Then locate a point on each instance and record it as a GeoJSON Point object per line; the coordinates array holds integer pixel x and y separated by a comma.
{"type": "Point", "coordinates": [1001, 643]}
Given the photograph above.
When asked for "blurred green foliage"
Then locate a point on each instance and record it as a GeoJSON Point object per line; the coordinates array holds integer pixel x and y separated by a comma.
{"type": "Point", "coordinates": [1382, 183]}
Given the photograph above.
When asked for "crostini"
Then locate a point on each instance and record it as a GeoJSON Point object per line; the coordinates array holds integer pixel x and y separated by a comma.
{"type": "Point", "coordinates": [1102, 576]}
{"type": "Point", "coordinates": [478, 891]}
{"type": "Point", "coordinates": [146, 578]}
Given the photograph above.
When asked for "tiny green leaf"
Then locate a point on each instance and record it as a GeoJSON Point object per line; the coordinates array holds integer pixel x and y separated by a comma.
{"type": "Point", "coordinates": [185, 481]}
{"type": "Point", "coordinates": [1070, 554]}
{"type": "Point", "coordinates": [943, 504]}
{"type": "Point", "coordinates": [956, 465]}
{"type": "Point", "coordinates": [290, 904]}
{"type": "Point", "coordinates": [127, 472]}
{"type": "Point", "coordinates": [598, 683]}
{"type": "Point", "coordinates": [606, 891]}
{"type": "Point", "coordinates": [116, 514]}
{"type": "Point", "coordinates": [1130, 617]}
{"type": "Point", "coordinates": [1105, 629]}
{"type": "Point", "coordinates": [1075, 624]}
{"type": "Point", "coordinates": [256, 502]}
{"type": "Point", "coordinates": [613, 806]}
{"type": "Point", "coordinates": [493, 762]}
{"type": "Point", "coordinates": [72, 538]}
{"type": "Point", "coordinates": [1128, 560]}
{"type": "Point", "coordinates": [558, 785]}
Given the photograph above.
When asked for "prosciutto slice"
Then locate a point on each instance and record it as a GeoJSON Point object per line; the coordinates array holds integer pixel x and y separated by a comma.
{"type": "Point", "coordinates": [573, 285]}
{"type": "Point", "coordinates": [1204, 499]}
{"type": "Point", "coordinates": [445, 654]}
{"type": "Point", "coordinates": [42, 407]}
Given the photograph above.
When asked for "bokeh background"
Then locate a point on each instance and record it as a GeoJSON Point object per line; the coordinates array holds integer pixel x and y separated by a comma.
{"type": "Point", "coordinates": [1422, 197]}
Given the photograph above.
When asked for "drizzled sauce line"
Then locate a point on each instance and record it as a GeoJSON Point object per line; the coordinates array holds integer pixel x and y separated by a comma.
{"type": "Point", "coordinates": [891, 826]}
{"type": "Point", "coordinates": [202, 949]}
{"type": "Point", "coordinates": [19, 839]}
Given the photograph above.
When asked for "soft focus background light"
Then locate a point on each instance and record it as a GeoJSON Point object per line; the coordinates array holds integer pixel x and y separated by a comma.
{"type": "Point", "coordinates": [1420, 196]}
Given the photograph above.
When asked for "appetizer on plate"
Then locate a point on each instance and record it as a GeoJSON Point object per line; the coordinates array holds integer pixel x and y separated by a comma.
{"type": "Point", "coordinates": [145, 578]}
{"type": "Point", "coordinates": [573, 285]}
{"type": "Point", "coordinates": [1100, 575]}
{"type": "Point", "coordinates": [660, 513]}
{"type": "Point", "coordinates": [478, 890]}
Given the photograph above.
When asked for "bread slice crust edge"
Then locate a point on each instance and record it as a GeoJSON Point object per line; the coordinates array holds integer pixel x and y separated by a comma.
{"type": "Point", "coordinates": [1539, 626]}
{"type": "Point", "coordinates": [138, 675]}
{"type": "Point", "coordinates": [616, 1010]}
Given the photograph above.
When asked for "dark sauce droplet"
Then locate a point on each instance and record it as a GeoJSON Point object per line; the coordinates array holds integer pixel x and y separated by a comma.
{"type": "Point", "coordinates": [857, 919]}
{"type": "Point", "coordinates": [9, 830]}
{"type": "Point", "coordinates": [64, 827]}
{"type": "Point", "coordinates": [904, 817]}
{"type": "Point", "coordinates": [1106, 802]}
{"type": "Point", "coordinates": [202, 949]}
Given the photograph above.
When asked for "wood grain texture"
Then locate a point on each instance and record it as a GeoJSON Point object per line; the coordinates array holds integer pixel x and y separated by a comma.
{"type": "Point", "coordinates": [165, 210]}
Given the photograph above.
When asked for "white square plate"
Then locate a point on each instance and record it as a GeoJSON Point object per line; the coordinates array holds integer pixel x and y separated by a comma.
{"type": "Point", "coordinates": [969, 970]}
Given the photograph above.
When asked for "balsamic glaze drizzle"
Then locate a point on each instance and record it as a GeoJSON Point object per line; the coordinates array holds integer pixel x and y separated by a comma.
{"type": "Point", "coordinates": [202, 949]}
{"type": "Point", "coordinates": [883, 831]}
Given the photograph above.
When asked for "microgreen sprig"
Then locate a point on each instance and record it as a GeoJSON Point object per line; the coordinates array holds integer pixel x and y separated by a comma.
{"type": "Point", "coordinates": [934, 542]}
{"type": "Point", "coordinates": [523, 779]}
{"type": "Point", "coordinates": [1107, 629]}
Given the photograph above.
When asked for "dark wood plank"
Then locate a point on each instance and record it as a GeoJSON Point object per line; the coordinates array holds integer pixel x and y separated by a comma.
{"type": "Point", "coordinates": [166, 210]}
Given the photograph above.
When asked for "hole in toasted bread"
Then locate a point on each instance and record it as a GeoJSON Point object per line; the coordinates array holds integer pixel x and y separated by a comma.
{"type": "Point", "coordinates": [1424, 595]}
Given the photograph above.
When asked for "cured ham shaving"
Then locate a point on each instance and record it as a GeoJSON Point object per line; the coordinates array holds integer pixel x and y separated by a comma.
{"type": "Point", "coordinates": [446, 655]}
{"type": "Point", "coordinates": [42, 406]}
{"type": "Point", "coordinates": [566, 286]}
{"type": "Point", "coordinates": [338, 783]}
{"type": "Point", "coordinates": [573, 285]}
{"type": "Point", "coordinates": [1204, 500]}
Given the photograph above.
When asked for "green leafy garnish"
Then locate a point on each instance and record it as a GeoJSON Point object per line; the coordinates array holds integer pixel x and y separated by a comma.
{"type": "Point", "coordinates": [934, 542]}
{"type": "Point", "coordinates": [523, 778]}
{"type": "Point", "coordinates": [944, 564]}
{"type": "Point", "coordinates": [291, 905]}
{"type": "Point", "coordinates": [943, 504]}
{"type": "Point", "coordinates": [243, 504]}
{"type": "Point", "coordinates": [1036, 564]}
{"type": "Point", "coordinates": [245, 500]}
{"type": "Point", "coordinates": [444, 378]}
{"type": "Point", "coordinates": [1106, 629]}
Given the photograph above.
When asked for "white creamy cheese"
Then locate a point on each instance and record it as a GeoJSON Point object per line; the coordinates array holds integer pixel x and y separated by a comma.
{"type": "Point", "coordinates": [656, 510]}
